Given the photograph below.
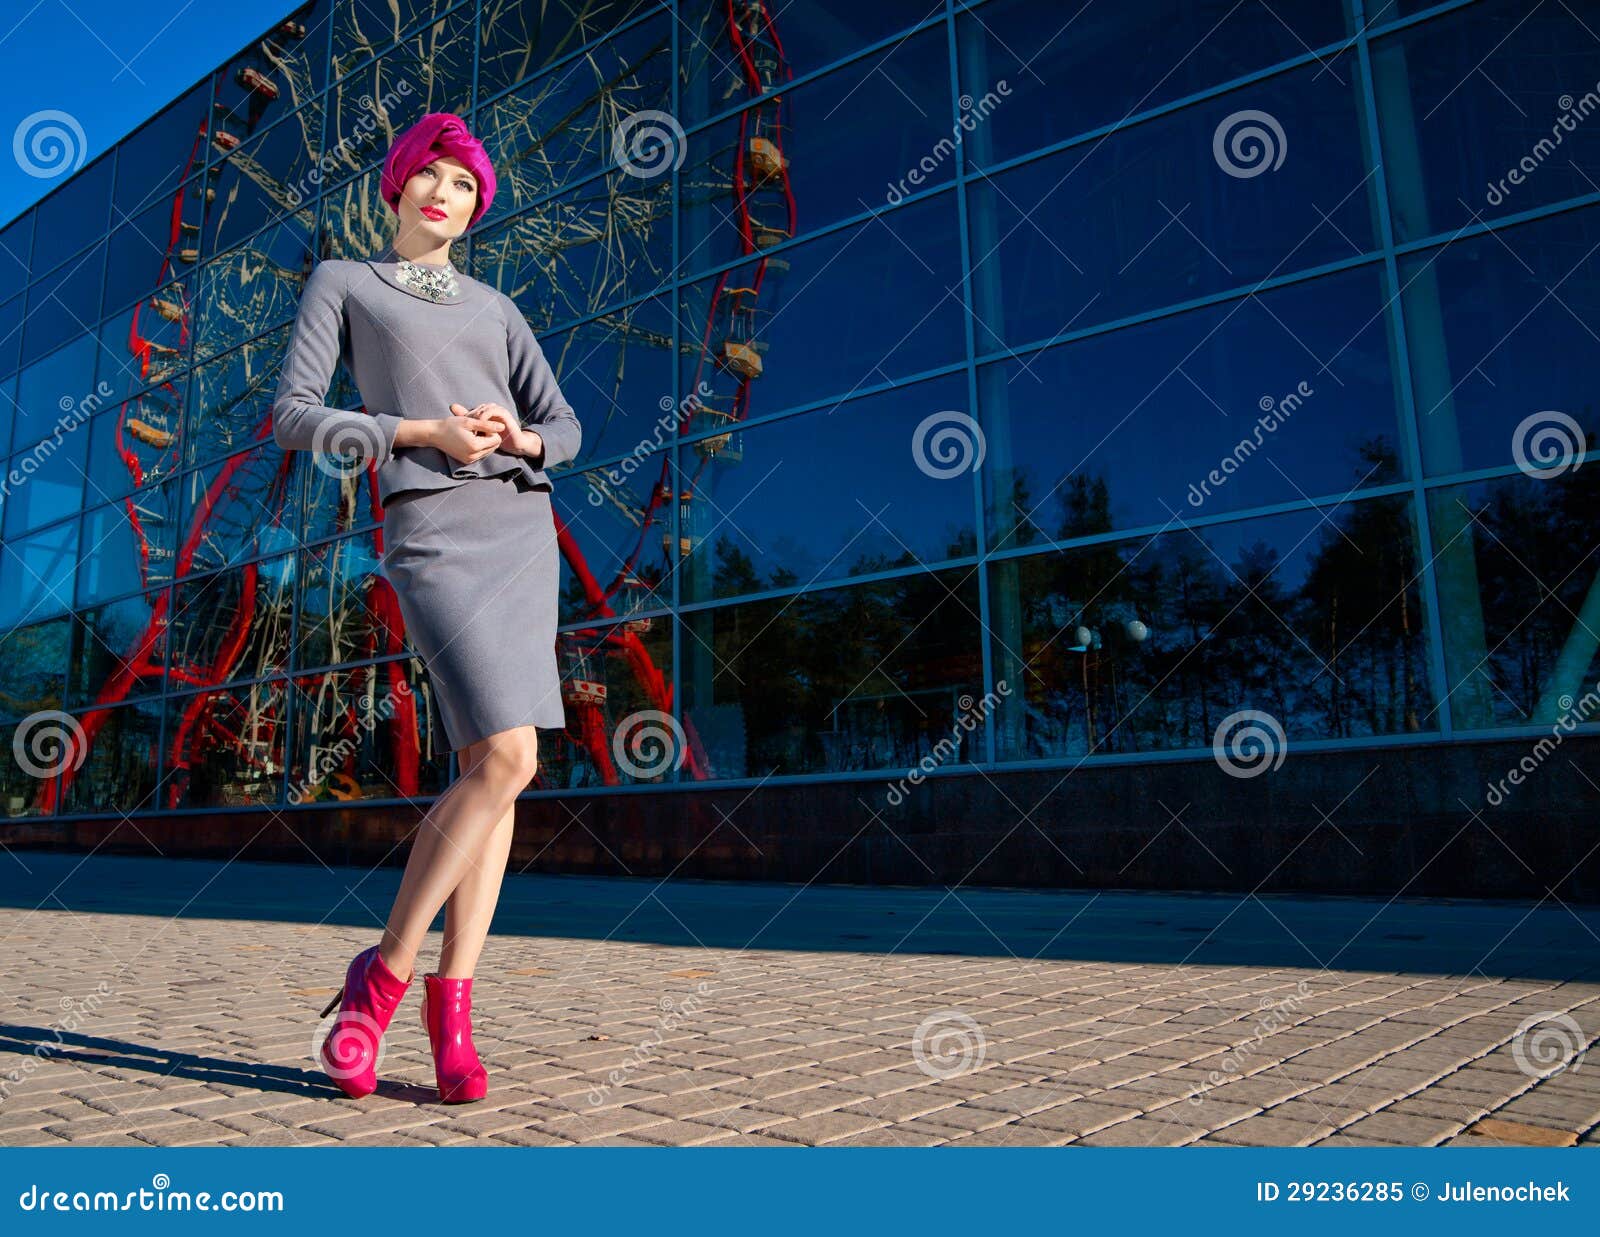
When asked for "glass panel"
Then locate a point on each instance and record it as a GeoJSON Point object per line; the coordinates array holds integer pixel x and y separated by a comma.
{"type": "Point", "coordinates": [63, 304]}
{"type": "Point", "coordinates": [16, 246]}
{"type": "Point", "coordinates": [607, 242]}
{"type": "Point", "coordinates": [854, 308]}
{"type": "Point", "coordinates": [868, 677]}
{"type": "Point", "coordinates": [753, 519]}
{"type": "Point", "coordinates": [1312, 618]}
{"type": "Point", "coordinates": [232, 397]}
{"type": "Point", "coordinates": [156, 245]}
{"type": "Point", "coordinates": [729, 54]}
{"type": "Point", "coordinates": [1512, 76]}
{"type": "Point", "coordinates": [622, 564]}
{"type": "Point", "coordinates": [61, 381]}
{"type": "Point", "coordinates": [370, 732]}
{"type": "Point", "coordinates": [11, 318]}
{"type": "Point", "coordinates": [45, 482]}
{"type": "Point", "coordinates": [74, 214]}
{"type": "Point", "coordinates": [518, 40]}
{"type": "Point", "coordinates": [277, 73]}
{"type": "Point", "coordinates": [120, 761]}
{"type": "Point", "coordinates": [1502, 350]}
{"type": "Point", "coordinates": [1146, 217]}
{"type": "Point", "coordinates": [234, 624]}
{"type": "Point", "coordinates": [348, 610]}
{"type": "Point", "coordinates": [119, 649]}
{"type": "Point", "coordinates": [267, 178]}
{"type": "Point", "coordinates": [365, 28]}
{"type": "Point", "coordinates": [235, 509]}
{"type": "Point", "coordinates": [127, 546]}
{"type": "Point", "coordinates": [1057, 72]}
{"type": "Point", "coordinates": [1299, 377]}
{"type": "Point", "coordinates": [36, 574]}
{"type": "Point", "coordinates": [134, 443]}
{"type": "Point", "coordinates": [616, 372]}
{"type": "Point", "coordinates": [1519, 594]}
{"type": "Point", "coordinates": [562, 127]}
{"type": "Point", "coordinates": [32, 668]}
{"type": "Point", "coordinates": [225, 748]}
{"type": "Point", "coordinates": [148, 342]}
{"type": "Point", "coordinates": [336, 500]}
{"type": "Point", "coordinates": [751, 180]}
{"type": "Point", "coordinates": [250, 289]}
{"type": "Point", "coordinates": [616, 682]}
{"type": "Point", "coordinates": [161, 154]}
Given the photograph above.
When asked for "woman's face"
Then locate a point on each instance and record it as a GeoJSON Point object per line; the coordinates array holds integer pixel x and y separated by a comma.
{"type": "Point", "coordinates": [439, 200]}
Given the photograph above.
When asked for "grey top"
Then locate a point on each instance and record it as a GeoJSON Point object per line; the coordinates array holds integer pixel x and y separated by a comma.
{"type": "Point", "coordinates": [412, 356]}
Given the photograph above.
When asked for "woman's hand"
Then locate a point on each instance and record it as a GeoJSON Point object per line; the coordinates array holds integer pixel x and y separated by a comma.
{"type": "Point", "coordinates": [513, 437]}
{"type": "Point", "coordinates": [466, 438]}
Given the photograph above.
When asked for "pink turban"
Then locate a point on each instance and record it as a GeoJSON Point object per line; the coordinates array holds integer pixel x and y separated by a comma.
{"type": "Point", "coordinates": [437, 133]}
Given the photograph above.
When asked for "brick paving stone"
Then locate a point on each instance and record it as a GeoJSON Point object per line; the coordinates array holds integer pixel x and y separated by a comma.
{"type": "Point", "coordinates": [1407, 1130]}
{"type": "Point", "coordinates": [1081, 1116]}
{"type": "Point", "coordinates": [1150, 1130]}
{"type": "Point", "coordinates": [1268, 1130]}
{"type": "Point", "coordinates": [901, 1106]}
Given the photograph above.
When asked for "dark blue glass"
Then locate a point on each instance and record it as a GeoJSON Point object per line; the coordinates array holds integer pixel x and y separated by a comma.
{"type": "Point", "coordinates": [369, 732]}
{"type": "Point", "coordinates": [36, 574]}
{"type": "Point", "coordinates": [793, 164]}
{"type": "Point", "coordinates": [235, 509]}
{"type": "Point", "coordinates": [64, 303]}
{"type": "Point", "coordinates": [225, 748]}
{"type": "Point", "coordinates": [519, 40]}
{"type": "Point", "coordinates": [119, 649]}
{"type": "Point", "coordinates": [156, 246]}
{"type": "Point", "coordinates": [45, 482]}
{"type": "Point", "coordinates": [1037, 74]}
{"type": "Point", "coordinates": [161, 154]}
{"type": "Point", "coordinates": [119, 772]}
{"type": "Point", "coordinates": [270, 177]}
{"type": "Point", "coordinates": [72, 216]}
{"type": "Point", "coordinates": [363, 28]}
{"type": "Point", "coordinates": [1283, 396]}
{"type": "Point", "coordinates": [846, 679]}
{"type": "Point", "coordinates": [1486, 111]}
{"type": "Point", "coordinates": [235, 623]}
{"type": "Point", "coordinates": [16, 244]}
{"type": "Point", "coordinates": [32, 667]}
{"type": "Point", "coordinates": [278, 72]}
{"type": "Point", "coordinates": [1518, 571]}
{"type": "Point", "coordinates": [52, 393]}
{"type": "Point", "coordinates": [1312, 618]}
{"type": "Point", "coordinates": [755, 519]}
{"type": "Point", "coordinates": [347, 608]}
{"type": "Point", "coordinates": [857, 307]}
{"type": "Point", "coordinates": [128, 546]}
{"type": "Point", "coordinates": [1173, 209]}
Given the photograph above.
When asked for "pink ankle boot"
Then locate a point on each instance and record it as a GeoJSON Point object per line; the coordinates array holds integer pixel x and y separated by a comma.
{"type": "Point", "coordinates": [447, 1013]}
{"type": "Point", "coordinates": [367, 1002]}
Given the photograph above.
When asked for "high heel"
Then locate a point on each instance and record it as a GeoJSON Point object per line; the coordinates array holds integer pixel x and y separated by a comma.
{"type": "Point", "coordinates": [447, 1014]}
{"type": "Point", "coordinates": [367, 1002]}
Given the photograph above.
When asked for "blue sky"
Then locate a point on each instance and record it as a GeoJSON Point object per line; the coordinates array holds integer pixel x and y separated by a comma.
{"type": "Point", "coordinates": [112, 64]}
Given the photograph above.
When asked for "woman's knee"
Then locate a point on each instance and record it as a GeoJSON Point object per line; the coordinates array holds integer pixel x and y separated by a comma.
{"type": "Point", "coordinates": [510, 757]}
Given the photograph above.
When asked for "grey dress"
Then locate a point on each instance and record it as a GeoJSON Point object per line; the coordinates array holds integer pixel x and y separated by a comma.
{"type": "Point", "coordinates": [470, 549]}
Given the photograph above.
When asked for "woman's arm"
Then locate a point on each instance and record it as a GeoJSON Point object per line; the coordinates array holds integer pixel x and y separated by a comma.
{"type": "Point", "coordinates": [540, 404]}
{"type": "Point", "coordinates": [300, 420]}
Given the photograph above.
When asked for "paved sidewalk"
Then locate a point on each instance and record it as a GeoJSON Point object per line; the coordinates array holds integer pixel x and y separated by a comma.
{"type": "Point", "coordinates": [174, 1002]}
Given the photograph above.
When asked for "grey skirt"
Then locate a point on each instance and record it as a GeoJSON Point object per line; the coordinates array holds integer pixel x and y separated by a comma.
{"type": "Point", "coordinates": [476, 569]}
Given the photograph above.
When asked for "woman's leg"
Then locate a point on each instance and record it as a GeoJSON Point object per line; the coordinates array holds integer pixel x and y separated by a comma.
{"type": "Point", "coordinates": [452, 839]}
{"type": "Point", "coordinates": [470, 909]}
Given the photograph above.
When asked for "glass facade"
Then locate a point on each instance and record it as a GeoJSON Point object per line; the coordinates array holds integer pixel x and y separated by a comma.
{"type": "Point", "coordinates": [1128, 368]}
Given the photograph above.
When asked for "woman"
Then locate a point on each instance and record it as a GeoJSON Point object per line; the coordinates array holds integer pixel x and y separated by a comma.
{"type": "Point", "coordinates": [448, 371]}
